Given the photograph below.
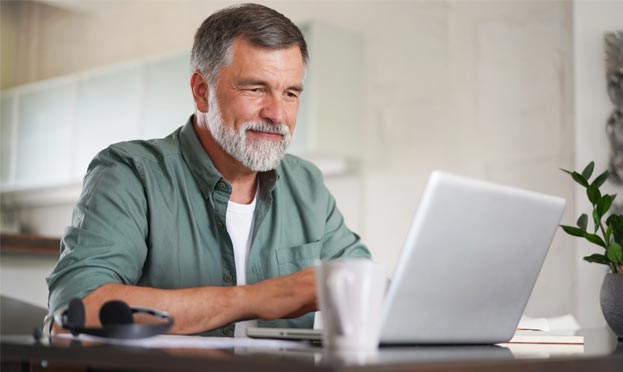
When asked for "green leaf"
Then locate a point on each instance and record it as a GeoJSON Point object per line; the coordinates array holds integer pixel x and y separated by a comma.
{"type": "Point", "coordinates": [595, 239]}
{"type": "Point", "coordinates": [588, 171]}
{"type": "Point", "coordinates": [616, 220]}
{"type": "Point", "coordinates": [615, 253]}
{"type": "Point", "coordinates": [613, 196]}
{"type": "Point", "coordinates": [573, 230]}
{"type": "Point", "coordinates": [577, 177]}
{"type": "Point", "coordinates": [597, 258]}
{"type": "Point", "coordinates": [617, 223]}
{"type": "Point", "coordinates": [593, 194]}
{"type": "Point", "coordinates": [583, 222]}
{"type": "Point", "coordinates": [608, 234]}
{"type": "Point", "coordinates": [596, 219]}
{"type": "Point", "coordinates": [600, 179]}
{"type": "Point", "coordinates": [603, 205]}
{"type": "Point", "coordinates": [566, 171]}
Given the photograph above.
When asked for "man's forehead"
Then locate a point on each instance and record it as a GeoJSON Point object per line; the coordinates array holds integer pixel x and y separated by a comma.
{"type": "Point", "coordinates": [244, 51]}
{"type": "Point", "coordinates": [249, 62]}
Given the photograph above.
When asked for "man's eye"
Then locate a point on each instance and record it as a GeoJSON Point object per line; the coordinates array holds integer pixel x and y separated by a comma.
{"type": "Point", "coordinates": [292, 94]}
{"type": "Point", "coordinates": [254, 90]}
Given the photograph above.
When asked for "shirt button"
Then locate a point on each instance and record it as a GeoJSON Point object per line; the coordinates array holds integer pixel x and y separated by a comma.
{"type": "Point", "coordinates": [221, 185]}
{"type": "Point", "coordinates": [228, 277]}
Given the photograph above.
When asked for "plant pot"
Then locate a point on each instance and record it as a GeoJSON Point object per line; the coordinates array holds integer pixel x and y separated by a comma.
{"type": "Point", "coordinates": [611, 299]}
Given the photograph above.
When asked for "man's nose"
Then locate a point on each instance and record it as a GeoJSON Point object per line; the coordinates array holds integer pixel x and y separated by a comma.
{"type": "Point", "coordinates": [274, 110]}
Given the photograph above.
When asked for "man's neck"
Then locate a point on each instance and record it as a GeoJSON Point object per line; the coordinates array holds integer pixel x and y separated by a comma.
{"type": "Point", "coordinates": [243, 180]}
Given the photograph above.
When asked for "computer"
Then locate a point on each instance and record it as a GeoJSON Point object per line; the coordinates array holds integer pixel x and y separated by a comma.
{"type": "Point", "coordinates": [468, 266]}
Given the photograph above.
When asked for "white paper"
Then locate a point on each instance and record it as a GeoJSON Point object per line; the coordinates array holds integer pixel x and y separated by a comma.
{"type": "Point", "coordinates": [539, 324]}
{"type": "Point", "coordinates": [560, 323]}
{"type": "Point", "coordinates": [179, 341]}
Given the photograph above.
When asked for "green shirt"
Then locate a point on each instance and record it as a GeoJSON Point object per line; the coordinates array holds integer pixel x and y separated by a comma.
{"type": "Point", "coordinates": [152, 213]}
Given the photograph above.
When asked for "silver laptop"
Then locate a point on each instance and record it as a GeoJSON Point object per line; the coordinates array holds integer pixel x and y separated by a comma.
{"type": "Point", "coordinates": [468, 266]}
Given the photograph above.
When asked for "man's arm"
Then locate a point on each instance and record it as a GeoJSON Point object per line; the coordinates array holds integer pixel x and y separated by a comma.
{"type": "Point", "coordinates": [105, 249]}
{"type": "Point", "coordinates": [204, 308]}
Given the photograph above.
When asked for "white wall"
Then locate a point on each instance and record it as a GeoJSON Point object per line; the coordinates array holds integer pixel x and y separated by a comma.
{"type": "Point", "coordinates": [592, 106]}
{"type": "Point", "coordinates": [479, 88]}
{"type": "Point", "coordinates": [24, 278]}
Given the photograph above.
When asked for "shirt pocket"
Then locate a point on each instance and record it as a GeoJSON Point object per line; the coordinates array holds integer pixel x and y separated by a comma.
{"type": "Point", "coordinates": [297, 258]}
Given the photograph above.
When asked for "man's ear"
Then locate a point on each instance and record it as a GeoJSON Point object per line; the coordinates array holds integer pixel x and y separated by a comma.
{"type": "Point", "coordinates": [199, 88]}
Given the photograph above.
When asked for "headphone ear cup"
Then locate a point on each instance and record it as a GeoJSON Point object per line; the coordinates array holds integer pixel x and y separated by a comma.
{"type": "Point", "coordinates": [115, 313]}
{"type": "Point", "coordinates": [74, 315]}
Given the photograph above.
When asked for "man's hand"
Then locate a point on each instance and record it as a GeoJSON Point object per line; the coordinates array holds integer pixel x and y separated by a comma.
{"type": "Point", "coordinates": [287, 296]}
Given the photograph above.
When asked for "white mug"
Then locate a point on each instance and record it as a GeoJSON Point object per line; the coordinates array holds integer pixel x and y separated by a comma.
{"type": "Point", "coordinates": [351, 294]}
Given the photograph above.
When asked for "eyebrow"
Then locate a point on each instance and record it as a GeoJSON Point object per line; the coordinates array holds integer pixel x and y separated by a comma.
{"type": "Point", "coordinates": [251, 81]}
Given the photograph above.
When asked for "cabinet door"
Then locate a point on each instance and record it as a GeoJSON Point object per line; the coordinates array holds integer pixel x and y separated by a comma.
{"type": "Point", "coordinates": [7, 112]}
{"type": "Point", "coordinates": [108, 111]}
{"type": "Point", "coordinates": [168, 99]}
{"type": "Point", "coordinates": [44, 133]}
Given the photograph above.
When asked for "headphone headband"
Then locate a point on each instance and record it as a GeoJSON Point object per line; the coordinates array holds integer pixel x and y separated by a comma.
{"type": "Point", "coordinates": [117, 322]}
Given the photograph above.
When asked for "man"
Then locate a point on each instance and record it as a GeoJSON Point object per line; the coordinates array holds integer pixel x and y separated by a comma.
{"type": "Point", "coordinates": [214, 223]}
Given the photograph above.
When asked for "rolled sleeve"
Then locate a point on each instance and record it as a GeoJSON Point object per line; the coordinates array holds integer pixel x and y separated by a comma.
{"type": "Point", "coordinates": [106, 242]}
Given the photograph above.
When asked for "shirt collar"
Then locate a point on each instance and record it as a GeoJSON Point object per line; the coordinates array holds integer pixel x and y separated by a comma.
{"type": "Point", "coordinates": [203, 169]}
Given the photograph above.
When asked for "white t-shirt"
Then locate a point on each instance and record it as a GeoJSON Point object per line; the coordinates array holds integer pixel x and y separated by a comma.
{"type": "Point", "coordinates": [239, 222]}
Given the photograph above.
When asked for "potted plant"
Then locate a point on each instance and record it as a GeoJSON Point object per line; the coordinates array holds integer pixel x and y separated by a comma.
{"type": "Point", "coordinates": [607, 233]}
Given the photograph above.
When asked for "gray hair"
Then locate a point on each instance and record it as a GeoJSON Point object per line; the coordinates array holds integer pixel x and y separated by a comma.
{"type": "Point", "coordinates": [257, 24]}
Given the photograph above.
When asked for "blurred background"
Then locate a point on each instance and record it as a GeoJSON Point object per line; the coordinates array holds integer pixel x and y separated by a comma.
{"type": "Point", "coordinates": [506, 91]}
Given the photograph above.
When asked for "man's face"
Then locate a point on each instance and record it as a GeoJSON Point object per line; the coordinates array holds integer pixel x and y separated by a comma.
{"type": "Point", "coordinates": [252, 109]}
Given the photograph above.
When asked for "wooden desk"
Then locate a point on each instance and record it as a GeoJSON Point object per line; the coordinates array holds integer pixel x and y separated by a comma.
{"type": "Point", "coordinates": [23, 353]}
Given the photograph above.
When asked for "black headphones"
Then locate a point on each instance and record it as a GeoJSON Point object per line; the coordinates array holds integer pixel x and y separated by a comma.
{"type": "Point", "coordinates": [117, 320]}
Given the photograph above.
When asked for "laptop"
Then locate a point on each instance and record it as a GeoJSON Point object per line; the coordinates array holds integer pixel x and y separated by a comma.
{"type": "Point", "coordinates": [468, 265]}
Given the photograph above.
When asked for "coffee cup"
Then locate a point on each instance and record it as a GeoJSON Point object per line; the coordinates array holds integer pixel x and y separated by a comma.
{"type": "Point", "coordinates": [350, 295]}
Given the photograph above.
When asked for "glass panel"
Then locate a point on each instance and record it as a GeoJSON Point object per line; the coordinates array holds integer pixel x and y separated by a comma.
{"type": "Point", "coordinates": [44, 134]}
{"type": "Point", "coordinates": [168, 99]}
{"type": "Point", "coordinates": [109, 108]}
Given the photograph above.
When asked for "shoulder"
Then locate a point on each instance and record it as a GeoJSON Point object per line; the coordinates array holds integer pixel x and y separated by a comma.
{"type": "Point", "coordinates": [153, 150]}
{"type": "Point", "coordinates": [302, 180]}
{"type": "Point", "coordinates": [138, 157]}
{"type": "Point", "coordinates": [293, 166]}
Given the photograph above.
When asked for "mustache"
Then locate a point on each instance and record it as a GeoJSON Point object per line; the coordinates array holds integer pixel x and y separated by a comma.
{"type": "Point", "coordinates": [262, 126]}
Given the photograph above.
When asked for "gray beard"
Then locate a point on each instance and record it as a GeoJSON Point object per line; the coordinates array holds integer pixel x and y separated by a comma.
{"type": "Point", "coordinates": [256, 154]}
